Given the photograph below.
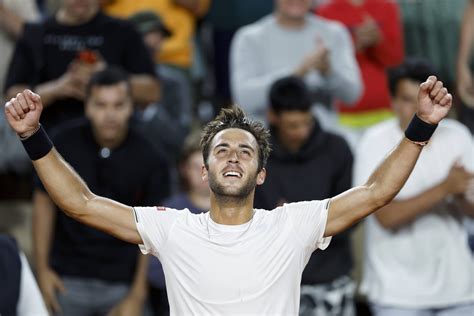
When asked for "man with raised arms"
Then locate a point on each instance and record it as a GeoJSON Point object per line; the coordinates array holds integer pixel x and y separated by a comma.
{"type": "Point", "coordinates": [233, 259]}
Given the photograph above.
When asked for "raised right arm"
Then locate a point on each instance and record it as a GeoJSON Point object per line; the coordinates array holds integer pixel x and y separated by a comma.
{"type": "Point", "coordinates": [65, 187]}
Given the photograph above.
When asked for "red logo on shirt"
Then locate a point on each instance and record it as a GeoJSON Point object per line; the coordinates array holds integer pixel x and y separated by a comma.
{"type": "Point", "coordinates": [160, 208]}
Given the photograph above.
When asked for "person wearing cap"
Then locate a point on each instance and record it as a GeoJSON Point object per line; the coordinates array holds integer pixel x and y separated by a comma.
{"type": "Point", "coordinates": [180, 18]}
{"type": "Point", "coordinates": [167, 122]}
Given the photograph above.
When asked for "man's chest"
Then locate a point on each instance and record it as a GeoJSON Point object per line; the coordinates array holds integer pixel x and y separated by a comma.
{"type": "Point", "coordinates": [230, 270]}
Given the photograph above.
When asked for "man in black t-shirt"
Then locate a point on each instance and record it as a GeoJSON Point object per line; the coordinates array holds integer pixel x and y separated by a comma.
{"type": "Point", "coordinates": [63, 51]}
{"type": "Point", "coordinates": [98, 272]}
{"type": "Point", "coordinates": [308, 163]}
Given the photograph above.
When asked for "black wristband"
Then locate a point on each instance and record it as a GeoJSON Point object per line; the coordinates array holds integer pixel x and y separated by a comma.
{"type": "Point", "coordinates": [418, 131]}
{"type": "Point", "coordinates": [37, 145]}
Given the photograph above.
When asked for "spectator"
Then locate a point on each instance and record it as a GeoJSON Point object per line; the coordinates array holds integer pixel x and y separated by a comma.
{"type": "Point", "coordinates": [66, 49]}
{"type": "Point", "coordinates": [465, 72]}
{"type": "Point", "coordinates": [292, 41]}
{"type": "Point", "coordinates": [168, 122]}
{"type": "Point", "coordinates": [418, 260]}
{"type": "Point", "coordinates": [301, 147]}
{"type": "Point", "coordinates": [19, 293]}
{"type": "Point", "coordinates": [179, 16]}
{"type": "Point", "coordinates": [98, 272]}
{"type": "Point", "coordinates": [195, 196]}
{"type": "Point", "coordinates": [377, 35]}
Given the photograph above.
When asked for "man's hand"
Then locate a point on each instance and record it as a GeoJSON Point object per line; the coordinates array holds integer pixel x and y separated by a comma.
{"type": "Point", "coordinates": [72, 84]}
{"type": "Point", "coordinates": [458, 180]}
{"type": "Point", "coordinates": [23, 112]}
{"type": "Point", "coordinates": [50, 283]}
{"type": "Point", "coordinates": [434, 101]}
{"type": "Point", "coordinates": [367, 34]}
{"type": "Point", "coordinates": [318, 60]}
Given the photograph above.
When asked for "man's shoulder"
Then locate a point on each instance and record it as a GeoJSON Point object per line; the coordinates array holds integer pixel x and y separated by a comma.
{"type": "Point", "coordinates": [323, 24]}
{"type": "Point", "coordinates": [106, 19]}
{"type": "Point", "coordinates": [258, 28]}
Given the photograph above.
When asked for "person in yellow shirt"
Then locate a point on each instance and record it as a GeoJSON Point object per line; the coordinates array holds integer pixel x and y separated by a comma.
{"type": "Point", "coordinates": [179, 16]}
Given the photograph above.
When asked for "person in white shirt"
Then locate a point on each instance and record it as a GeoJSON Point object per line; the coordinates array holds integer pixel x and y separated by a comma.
{"type": "Point", "coordinates": [418, 261]}
{"type": "Point", "coordinates": [234, 259]}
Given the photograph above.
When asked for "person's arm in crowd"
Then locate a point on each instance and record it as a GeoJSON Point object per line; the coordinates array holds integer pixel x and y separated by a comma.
{"type": "Point", "coordinates": [30, 301]}
{"type": "Point", "coordinates": [72, 84]}
{"type": "Point", "coordinates": [44, 215]}
{"type": "Point", "coordinates": [12, 22]}
{"type": "Point", "coordinates": [65, 187]}
{"type": "Point", "coordinates": [389, 50]}
{"type": "Point", "coordinates": [465, 81]}
{"type": "Point", "coordinates": [386, 181]}
{"type": "Point", "coordinates": [401, 212]}
{"type": "Point", "coordinates": [133, 303]}
{"type": "Point", "coordinates": [196, 7]}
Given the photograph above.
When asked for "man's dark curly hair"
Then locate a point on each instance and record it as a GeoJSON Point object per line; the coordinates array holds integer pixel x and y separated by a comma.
{"type": "Point", "coordinates": [234, 117]}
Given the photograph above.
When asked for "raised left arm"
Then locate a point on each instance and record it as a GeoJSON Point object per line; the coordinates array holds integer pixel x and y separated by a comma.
{"type": "Point", "coordinates": [349, 207]}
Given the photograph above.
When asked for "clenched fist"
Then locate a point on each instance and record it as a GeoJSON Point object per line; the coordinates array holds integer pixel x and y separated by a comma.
{"type": "Point", "coordinates": [434, 101]}
{"type": "Point", "coordinates": [23, 112]}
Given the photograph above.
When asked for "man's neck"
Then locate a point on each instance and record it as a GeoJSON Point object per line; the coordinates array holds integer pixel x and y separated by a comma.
{"type": "Point", "coordinates": [231, 211]}
{"type": "Point", "coordinates": [290, 23]}
{"type": "Point", "coordinates": [110, 143]}
{"type": "Point", "coordinates": [200, 200]}
{"type": "Point", "coordinates": [65, 18]}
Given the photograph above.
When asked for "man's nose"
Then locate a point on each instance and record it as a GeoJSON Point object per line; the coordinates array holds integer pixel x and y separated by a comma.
{"type": "Point", "coordinates": [233, 156]}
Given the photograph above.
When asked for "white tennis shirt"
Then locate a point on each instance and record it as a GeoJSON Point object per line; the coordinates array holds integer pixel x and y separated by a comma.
{"type": "Point", "coordinates": [249, 269]}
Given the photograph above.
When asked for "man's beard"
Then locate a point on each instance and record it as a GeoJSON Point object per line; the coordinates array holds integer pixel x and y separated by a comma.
{"type": "Point", "coordinates": [242, 193]}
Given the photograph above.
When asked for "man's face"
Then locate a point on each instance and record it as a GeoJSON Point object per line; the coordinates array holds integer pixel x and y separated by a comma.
{"type": "Point", "coordinates": [293, 128]}
{"type": "Point", "coordinates": [404, 101]}
{"type": "Point", "coordinates": [109, 109]}
{"type": "Point", "coordinates": [80, 9]}
{"type": "Point", "coordinates": [233, 164]}
{"type": "Point", "coordinates": [292, 9]}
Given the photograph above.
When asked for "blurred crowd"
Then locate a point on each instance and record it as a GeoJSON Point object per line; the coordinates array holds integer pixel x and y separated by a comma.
{"type": "Point", "coordinates": [128, 84]}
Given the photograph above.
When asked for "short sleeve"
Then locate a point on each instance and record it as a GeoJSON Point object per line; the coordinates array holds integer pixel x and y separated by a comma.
{"type": "Point", "coordinates": [154, 225]}
{"type": "Point", "coordinates": [309, 222]}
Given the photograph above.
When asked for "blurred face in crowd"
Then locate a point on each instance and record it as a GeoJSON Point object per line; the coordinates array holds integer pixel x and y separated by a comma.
{"type": "Point", "coordinates": [191, 171]}
{"type": "Point", "coordinates": [293, 128]}
{"type": "Point", "coordinates": [233, 164]}
{"type": "Point", "coordinates": [153, 41]}
{"type": "Point", "coordinates": [80, 10]}
{"type": "Point", "coordinates": [109, 108]}
{"type": "Point", "coordinates": [405, 100]}
{"type": "Point", "coordinates": [292, 9]}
